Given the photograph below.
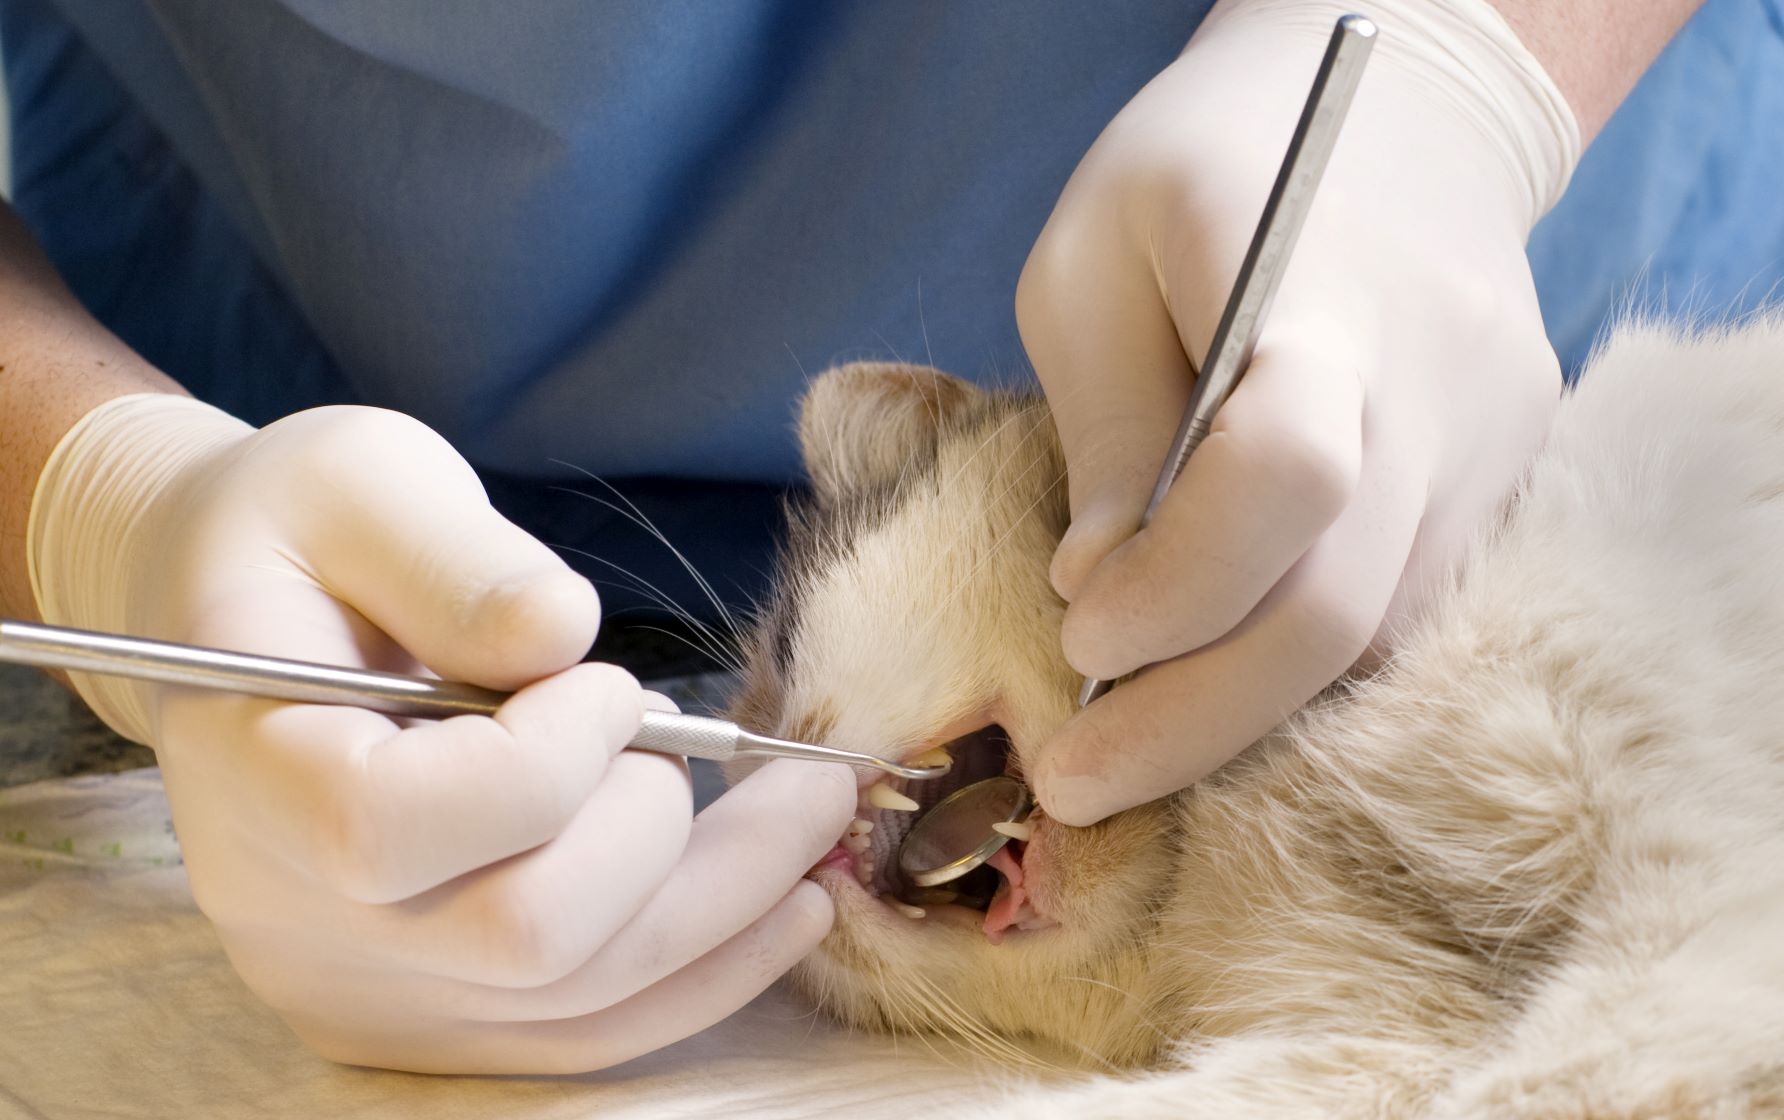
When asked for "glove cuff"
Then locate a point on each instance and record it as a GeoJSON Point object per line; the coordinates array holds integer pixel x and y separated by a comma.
{"type": "Point", "coordinates": [1463, 52]}
{"type": "Point", "coordinates": [88, 534]}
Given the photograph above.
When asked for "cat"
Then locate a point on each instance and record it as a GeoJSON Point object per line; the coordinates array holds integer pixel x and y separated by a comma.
{"type": "Point", "coordinates": [1530, 866]}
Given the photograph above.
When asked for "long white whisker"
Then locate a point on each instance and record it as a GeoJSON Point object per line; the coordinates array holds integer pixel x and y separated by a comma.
{"type": "Point", "coordinates": [637, 517]}
{"type": "Point", "coordinates": [686, 641]}
{"type": "Point", "coordinates": [985, 1038]}
{"type": "Point", "coordinates": [721, 648]}
{"type": "Point", "coordinates": [966, 527]}
{"type": "Point", "coordinates": [996, 545]}
{"type": "Point", "coordinates": [932, 407]}
{"type": "Point", "coordinates": [949, 482]}
{"type": "Point", "coordinates": [947, 547]}
{"type": "Point", "coordinates": [923, 325]}
{"type": "Point", "coordinates": [723, 658]}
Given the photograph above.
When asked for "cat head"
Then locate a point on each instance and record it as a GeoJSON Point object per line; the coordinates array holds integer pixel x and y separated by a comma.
{"type": "Point", "coordinates": [912, 610]}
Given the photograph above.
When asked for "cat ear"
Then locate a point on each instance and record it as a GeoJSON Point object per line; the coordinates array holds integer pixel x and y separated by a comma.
{"type": "Point", "coordinates": [863, 424]}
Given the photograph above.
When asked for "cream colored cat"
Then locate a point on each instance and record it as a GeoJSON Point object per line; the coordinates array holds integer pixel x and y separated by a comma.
{"type": "Point", "coordinates": [1532, 867]}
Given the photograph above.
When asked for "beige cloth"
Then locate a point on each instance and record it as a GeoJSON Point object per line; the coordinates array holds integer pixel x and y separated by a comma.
{"type": "Point", "coordinates": [119, 1003]}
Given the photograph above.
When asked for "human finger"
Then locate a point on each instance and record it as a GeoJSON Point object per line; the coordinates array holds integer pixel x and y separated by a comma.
{"type": "Point", "coordinates": [1108, 356]}
{"type": "Point", "coordinates": [745, 853]}
{"type": "Point", "coordinates": [396, 523]}
{"type": "Point", "coordinates": [688, 1001]}
{"type": "Point", "coordinates": [1277, 469]}
{"type": "Point", "coordinates": [1174, 723]}
{"type": "Point", "coordinates": [380, 813]}
{"type": "Point", "coordinates": [530, 920]}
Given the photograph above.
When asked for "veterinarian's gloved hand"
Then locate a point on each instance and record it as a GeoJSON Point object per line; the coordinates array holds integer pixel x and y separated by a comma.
{"type": "Point", "coordinates": [506, 894]}
{"type": "Point", "coordinates": [1401, 380]}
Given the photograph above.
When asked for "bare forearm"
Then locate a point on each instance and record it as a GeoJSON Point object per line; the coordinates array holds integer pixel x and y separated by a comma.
{"type": "Point", "coordinates": [1595, 49]}
{"type": "Point", "coordinates": [56, 364]}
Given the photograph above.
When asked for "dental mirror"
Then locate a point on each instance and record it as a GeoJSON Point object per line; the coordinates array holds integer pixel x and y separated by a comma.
{"type": "Point", "coordinates": [956, 835]}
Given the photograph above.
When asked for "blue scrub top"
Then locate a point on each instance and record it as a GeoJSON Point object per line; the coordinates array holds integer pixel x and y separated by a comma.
{"type": "Point", "coordinates": [621, 236]}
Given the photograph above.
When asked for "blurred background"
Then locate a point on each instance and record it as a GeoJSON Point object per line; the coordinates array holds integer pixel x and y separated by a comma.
{"type": "Point", "coordinates": [5, 140]}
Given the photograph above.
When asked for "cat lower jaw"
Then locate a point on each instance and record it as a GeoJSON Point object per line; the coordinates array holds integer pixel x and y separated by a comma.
{"type": "Point", "coordinates": [838, 878]}
{"type": "Point", "coordinates": [847, 868]}
{"type": "Point", "coordinates": [854, 865]}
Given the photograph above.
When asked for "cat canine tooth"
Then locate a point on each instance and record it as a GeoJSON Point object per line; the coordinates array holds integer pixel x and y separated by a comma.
{"type": "Point", "coordinates": [935, 756]}
{"type": "Point", "coordinates": [885, 797]}
{"type": "Point", "coordinates": [906, 909]}
{"type": "Point", "coordinates": [1015, 830]}
{"type": "Point", "coordinates": [859, 827]}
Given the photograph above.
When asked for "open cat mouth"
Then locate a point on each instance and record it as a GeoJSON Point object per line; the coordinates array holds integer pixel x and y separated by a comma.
{"type": "Point", "coordinates": [885, 814]}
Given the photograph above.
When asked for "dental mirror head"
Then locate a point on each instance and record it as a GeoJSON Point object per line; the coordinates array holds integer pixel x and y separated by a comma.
{"type": "Point", "coordinates": [956, 835]}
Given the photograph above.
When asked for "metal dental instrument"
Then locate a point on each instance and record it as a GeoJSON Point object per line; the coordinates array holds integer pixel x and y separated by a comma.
{"type": "Point", "coordinates": [956, 835]}
{"type": "Point", "coordinates": [1229, 355]}
{"type": "Point", "coordinates": [306, 682]}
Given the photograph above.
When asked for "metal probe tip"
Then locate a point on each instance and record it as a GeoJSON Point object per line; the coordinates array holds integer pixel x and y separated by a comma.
{"type": "Point", "coordinates": [748, 742]}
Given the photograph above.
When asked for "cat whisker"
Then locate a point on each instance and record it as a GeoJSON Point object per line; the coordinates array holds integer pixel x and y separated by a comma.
{"type": "Point", "coordinates": [719, 647]}
{"type": "Point", "coordinates": [923, 325]}
{"type": "Point", "coordinates": [936, 615]}
{"type": "Point", "coordinates": [900, 1014]}
{"type": "Point", "coordinates": [990, 438]}
{"type": "Point", "coordinates": [948, 547]}
{"type": "Point", "coordinates": [1019, 444]}
{"type": "Point", "coordinates": [915, 994]}
{"type": "Point", "coordinates": [684, 640]}
{"type": "Point", "coordinates": [933, 407]}
{"type": "Point", "coordinates": [976, 1034]}
{"type": "Point", "coordinates": [632, 513]}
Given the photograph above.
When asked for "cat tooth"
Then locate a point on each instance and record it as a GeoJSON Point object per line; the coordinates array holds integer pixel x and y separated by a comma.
{"type": "Point", "coordinates": [859, 827]}
{"type": "Point", "coordinates": [935, 756]}
{"type": "Point", "coordinates": [909, 911]}
{"type": "Point", "coordinates": [885, 797]}
{"type": "Point", "coordinates": [1015, 830]}
{"type": "Point", "coordinates": [856, 843]}
{"type": "Point", "coordinates": [935, 896]}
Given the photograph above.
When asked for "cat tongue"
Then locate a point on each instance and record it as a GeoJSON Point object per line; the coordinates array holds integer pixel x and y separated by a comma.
{"type": "Point", "coordinates": [1007, 906]}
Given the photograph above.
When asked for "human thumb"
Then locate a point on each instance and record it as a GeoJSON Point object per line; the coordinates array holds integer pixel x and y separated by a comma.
{"type": "Point", "coordinates": [414, 545]}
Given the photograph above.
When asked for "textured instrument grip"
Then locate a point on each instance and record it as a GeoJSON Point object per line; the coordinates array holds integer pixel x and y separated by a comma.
{"type": "Point", "coordinates": [693, 736]}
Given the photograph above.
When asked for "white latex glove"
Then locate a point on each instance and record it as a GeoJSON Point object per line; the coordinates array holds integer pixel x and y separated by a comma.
{"type": "Point", "coordinates": [1400, 382]}
{"type": "Point", "coordinates": [506, 894]}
